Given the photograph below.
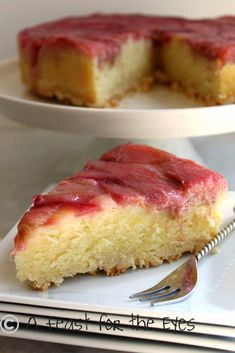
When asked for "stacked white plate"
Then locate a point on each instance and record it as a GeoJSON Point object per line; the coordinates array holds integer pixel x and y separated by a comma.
{"type": "Point", "coordinates": [96, 311]}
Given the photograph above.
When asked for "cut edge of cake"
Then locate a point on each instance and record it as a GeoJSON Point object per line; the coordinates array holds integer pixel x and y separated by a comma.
{"type": "Point", "coordinates": [79, 79]}
{"type": "Point", "coordinates": [184, 68]}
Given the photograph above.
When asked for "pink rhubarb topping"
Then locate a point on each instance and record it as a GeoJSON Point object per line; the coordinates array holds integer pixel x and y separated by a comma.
{"type": "Point", "coordinates": [102, 35]}
{"type": "Point", "coordinates": [128, 174]}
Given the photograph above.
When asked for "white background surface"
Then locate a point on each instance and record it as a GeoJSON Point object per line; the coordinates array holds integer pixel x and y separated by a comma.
{"type": "Point", "coordinates": [31, 158]}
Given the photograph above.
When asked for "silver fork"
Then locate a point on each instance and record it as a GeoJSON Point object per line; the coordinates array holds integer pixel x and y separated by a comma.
{"type": "Point", "coordinates": [180, 283]}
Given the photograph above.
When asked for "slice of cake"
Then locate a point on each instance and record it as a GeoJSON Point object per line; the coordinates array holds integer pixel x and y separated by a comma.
{"type": "Point", "coordinates": [95, 60]}
{"type": "Point", "coordinates": [135, 207]}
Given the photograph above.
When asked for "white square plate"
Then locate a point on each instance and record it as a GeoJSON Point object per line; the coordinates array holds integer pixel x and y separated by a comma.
{"type": "Point", "coordinates": [212, 302]}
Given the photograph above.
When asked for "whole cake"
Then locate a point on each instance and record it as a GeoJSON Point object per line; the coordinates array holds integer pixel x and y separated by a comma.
{"type": "Point", "coordinates": [135, 207]}
{"type": "Point", "coordinates": [95, 60]}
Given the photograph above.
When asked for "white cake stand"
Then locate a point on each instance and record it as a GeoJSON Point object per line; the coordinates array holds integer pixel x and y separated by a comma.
{"type": "Point", "coordinates": [161, 117]}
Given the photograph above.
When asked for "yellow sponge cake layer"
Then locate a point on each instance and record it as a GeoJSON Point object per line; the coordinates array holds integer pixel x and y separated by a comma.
{"type": "Point", "coordinates": [113, 240]}
{"type": "Point", "coordinates": [74, 77]}
{"type": "Point", "coordinates": [197, 74]}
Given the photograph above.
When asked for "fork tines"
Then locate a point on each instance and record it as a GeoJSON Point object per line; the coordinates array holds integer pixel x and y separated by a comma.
{"type": "Point", "coordinates": [174, 287]}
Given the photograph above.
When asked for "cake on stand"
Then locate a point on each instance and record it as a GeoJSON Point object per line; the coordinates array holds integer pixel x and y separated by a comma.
{"type": "Point", "coordinates": [161, 117]}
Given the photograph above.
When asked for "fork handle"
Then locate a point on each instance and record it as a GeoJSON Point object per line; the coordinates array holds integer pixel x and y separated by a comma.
{"type": "Point", "coordinates": [216, 240]}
